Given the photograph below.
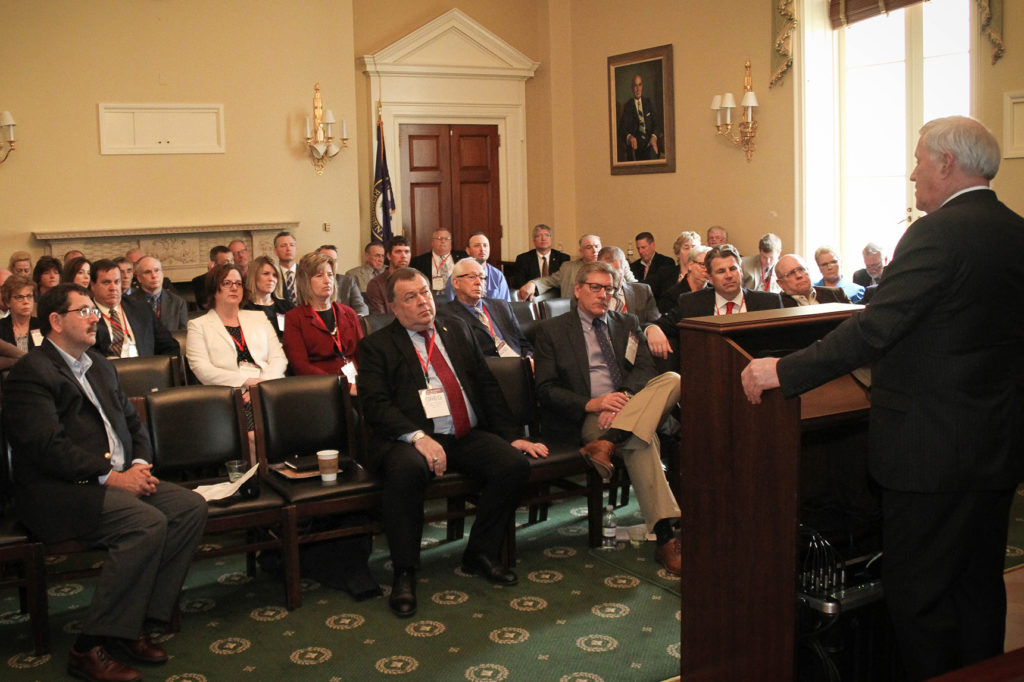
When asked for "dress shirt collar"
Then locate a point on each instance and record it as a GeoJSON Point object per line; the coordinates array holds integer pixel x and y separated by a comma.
{"type": "Point", "coordinates": [720, 302]}
{"type": "Point", "coordinates": [588, 319]}
{"type": "Point", "coordinates": [78, 366]}
{"type": "Point", "coordinates": [965, 190]}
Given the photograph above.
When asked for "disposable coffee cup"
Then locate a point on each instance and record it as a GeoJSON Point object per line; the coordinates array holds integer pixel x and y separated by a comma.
{"type": "Point", "coordinates": [328, 463]}
{"type": "Point", "coordinates": [236, 469]}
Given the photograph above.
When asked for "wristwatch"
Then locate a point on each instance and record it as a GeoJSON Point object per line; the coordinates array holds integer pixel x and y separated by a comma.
{"type": "Point", "coordinates": [416, 436]}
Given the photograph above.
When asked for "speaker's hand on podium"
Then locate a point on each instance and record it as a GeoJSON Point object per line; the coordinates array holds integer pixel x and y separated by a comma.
{"type": "Point", "coordinates": [759, 376]}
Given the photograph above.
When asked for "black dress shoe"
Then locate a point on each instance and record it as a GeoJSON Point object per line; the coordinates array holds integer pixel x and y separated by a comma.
{"type": "Point", "coordinates": [488, 568]}
{"type": "Point", "coordinates": [403, 594]}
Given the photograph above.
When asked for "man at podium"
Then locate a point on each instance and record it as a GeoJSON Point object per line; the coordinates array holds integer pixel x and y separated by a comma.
{"type": "Point", "coordinates": [946, 331]}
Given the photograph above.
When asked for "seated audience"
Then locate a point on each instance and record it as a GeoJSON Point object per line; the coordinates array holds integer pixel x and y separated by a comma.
{"type": "Point", "coordinates": [127, 274]}
{"type": "Point", "coordinates": [73, 253]}
{"type": "Point", "coordinates": [791, 273]}
{"type": "Point", "coordinates": [82, 462]}
{"type": "Point", "coordinates": [491, 320]}
{"type": "Point", "coordinates": [321, 335]}
{"type": "Point", "coordinates": [134, 254]}
{"type": "Point", "coordinates": [77, 271]}
{"type": "Point", "coordinates": [284, 251]}
{"type": "Point", "coordinates": [635, 298]}
{"type": "Point", "coordinates": [20, 328]}
{"type": "Point", "coordinates": [541, 260]}
{"type": "Point", "coordinates": [827, 259]}
{"type": "Point", "coordinates": [652, 268]}
{"type": "Point", "coordinates": [46, 274]}
{"type": "Point", "coordinates": [21, 263]}
{"type": "Point", "coordinates": [470, 430]}
{"type": "Point", "coordinates": [240, 255]}
{"type": "Point", "coordinates": [346, 289]}
{"type": "Point", "coordinates": [219, 255]}
{"type": "Point", "coordinates": [373, 265]}
{"type": "Point", "coordinates": [128, 327]}
{"type": "Point", "coordinates": [717, 235]}
{"type": "Point", "coordinates": [260, 285]}
{"type": "Point", "coordinates": [759, 270]}
{"type": "Point", "coordinates": [169, 308]}
{"type": "Point", "coordinates": [563, 278]}
{"type": "Point", "coordinates": [376, 293]}
{"type": "Point", "coordinates": [479, 249]}
{"type": "Point", "coordinates": [437, 263]}
{"type": "Point", "coordinates": [693, 277]}
{"type": "Point", "coordinates": [596, 382]}
{"type": "Point", "coordinates": [875, 261]}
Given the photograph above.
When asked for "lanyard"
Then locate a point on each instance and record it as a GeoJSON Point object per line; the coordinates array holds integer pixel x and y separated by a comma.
{"type": "Point", "coordinates": [241, 346]}
{"type": "Point", "coordinates": [122, 322]}
{"type": "Point", "coordinates": [336, 336]}
{"type": "Point", "coordinates": [430, 352]}
{"type": "Point", "coordinates": [490, 325]}
{"type": "Point", "coordinates": [439, 263]}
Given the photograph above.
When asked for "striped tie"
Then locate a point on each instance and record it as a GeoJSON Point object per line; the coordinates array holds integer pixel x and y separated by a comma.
{"type": "Point", "coordinates": [116, 333]}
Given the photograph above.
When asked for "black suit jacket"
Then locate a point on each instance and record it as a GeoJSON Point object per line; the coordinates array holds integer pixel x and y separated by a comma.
{"type": "Point", "coordinates": [629, 124]}
{"type": "Point", "coordinates": [151, 336]}
{"type": "Point", "coordinates": [502, 317]}
{"type": "Point", "coordinates": [671, 296]}
{"type": "Point", "coordinates": [862, 277]}
{"type": "Point", "coordinates": [563, 375]}
{"type": "Point", "coordinates": [391, 376]}
{"type": "Point", "coordinates": [700, 303]}
{"type": "Point", "coordinates": [58, 440]}
{"type": "Point", "coordinates": [7, 330]}
{"type": "Point", "coordinates": [661, 275]}
{"type": "Point", "coordinates": [946, 328]}
{"type": "Point", "coordinates": [823, 295]}
{"type": "Point", "coordinates": [424, 262]}
{"type": "Point", "coordinates": [528, 269]}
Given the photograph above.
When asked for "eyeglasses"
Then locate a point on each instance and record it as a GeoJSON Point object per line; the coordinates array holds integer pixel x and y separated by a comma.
{"type": "Point", "coordinates": [598, 288]}
{"type": "Point", "coordinates": [828, 264]}
{"type": "Point", "coordinates": [84, 312]}
{"type": "Point", "coordinates": [23, 297]}
{"type": "Point", "coordinates": [442, 239]}
{"type": "Point", "coordinates": [478, 278]}
{"type": "Point", "coordinates": [230, 284]}
{"type": "Point", "coordinates": [798, 270]}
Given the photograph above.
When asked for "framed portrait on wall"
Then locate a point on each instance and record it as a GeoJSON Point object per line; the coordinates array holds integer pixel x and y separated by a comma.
{"type": "Point", "coordinates": [642, 112]}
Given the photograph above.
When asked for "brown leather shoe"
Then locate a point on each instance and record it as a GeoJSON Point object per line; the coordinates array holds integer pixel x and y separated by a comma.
{"type": "Point", "coordinates": [599, 454]}
{"type": "Point", "coordinates": [143, 650]}
{"type": "Point", "coordinates": [670, 556]}
{"type": "Point", "coordinates": [98, 665]}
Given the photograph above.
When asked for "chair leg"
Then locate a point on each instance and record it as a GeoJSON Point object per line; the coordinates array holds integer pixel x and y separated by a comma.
{"type": "Point", "coordinates": [37, 601]}
{"type": "Point", "coordinates": [290, 555]}
{"type": "Point", "coordinates": [456, 525]}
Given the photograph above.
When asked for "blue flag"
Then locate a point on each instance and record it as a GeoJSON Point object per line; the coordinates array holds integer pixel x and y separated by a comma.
{"type": "Point", "coordinates": [383, 197]}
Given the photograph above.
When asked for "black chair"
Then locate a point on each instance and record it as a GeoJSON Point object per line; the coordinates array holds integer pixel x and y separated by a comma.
{"type": "Point", "coordinates": [146, 373]}
{"type": "Point", "coordinates": [375, 321]}
{"type": "Point", "coordinates": [553, 307]}
{"type": "Point", "coordinates": [195, 429]}
{"type": "Point", "coordinates": [525, 316]}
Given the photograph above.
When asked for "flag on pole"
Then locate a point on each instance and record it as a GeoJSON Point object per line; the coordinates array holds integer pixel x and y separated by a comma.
{"type": "Point", "coordinates": [383, 197]}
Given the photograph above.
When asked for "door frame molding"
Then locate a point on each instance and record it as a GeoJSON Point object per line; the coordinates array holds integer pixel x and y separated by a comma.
{"type": "Point", "coordinates": [454, 71]}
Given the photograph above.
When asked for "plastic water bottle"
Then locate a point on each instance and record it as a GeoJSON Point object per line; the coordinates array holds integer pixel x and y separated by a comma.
{"type": "Point", "coordinates": [608, 527]}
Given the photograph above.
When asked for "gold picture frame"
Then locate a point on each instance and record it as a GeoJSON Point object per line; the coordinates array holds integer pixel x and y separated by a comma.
{"type": "Point", "coordinates": [647, 145]}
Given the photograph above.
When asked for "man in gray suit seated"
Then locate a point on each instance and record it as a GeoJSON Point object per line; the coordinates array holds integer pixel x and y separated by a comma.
{"type": "Point", "coordinates": [791, 274]}
{"type": "Point", "coordinates": [168, 307]}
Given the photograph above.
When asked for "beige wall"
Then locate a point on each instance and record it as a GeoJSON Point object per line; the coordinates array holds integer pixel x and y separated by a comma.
{"type": "Point", "coordinates": [62, 57]}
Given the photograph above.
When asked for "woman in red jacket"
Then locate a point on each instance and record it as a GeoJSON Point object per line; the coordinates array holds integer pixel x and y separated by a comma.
{"type": "Point", "coordinates": [321, 335]}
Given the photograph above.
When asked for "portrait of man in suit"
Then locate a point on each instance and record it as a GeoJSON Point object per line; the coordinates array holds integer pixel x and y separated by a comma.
{"type": "Point", "coordinates": [642, 118]}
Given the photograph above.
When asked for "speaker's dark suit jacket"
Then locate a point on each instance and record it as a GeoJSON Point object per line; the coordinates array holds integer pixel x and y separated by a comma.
{"type": "Point", "coordinates": [563, 375]}
{"type": "Point", "coordinates": [527, 267]}
{"type": "Point", "coordinates": [700, 303]}
{"type": "Point", "coordinates": [58, 440]}
{"type": "Point", "coordinates": [151, 336]}
{"type": "Point", "coordinates": [502, 317]}
{"type": "Point", "coordinates": [822, 294]}
{"type": "Point", "coordinates": [424, 262]}
{"type": "Point", "coordinates": [662, 273]}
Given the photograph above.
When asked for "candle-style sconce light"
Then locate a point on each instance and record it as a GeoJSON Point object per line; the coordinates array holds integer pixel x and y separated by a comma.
{"type": "Point", "coordinates": [747, 126]}
{"type": "Point", "coordinates": [319, 134]}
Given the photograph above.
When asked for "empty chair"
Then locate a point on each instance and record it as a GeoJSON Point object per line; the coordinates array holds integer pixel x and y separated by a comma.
{"type": "Point", "coordinates": [553, 307]}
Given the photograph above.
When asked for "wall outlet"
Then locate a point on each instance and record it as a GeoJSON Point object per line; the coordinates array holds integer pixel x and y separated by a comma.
{"type": "Point", "coordinates": [327, 227]}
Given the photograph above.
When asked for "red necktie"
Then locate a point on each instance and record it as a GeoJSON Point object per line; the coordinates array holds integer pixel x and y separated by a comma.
{"type": "Point", "coordinates": [456, 400]}
{"type": "Point", "coordinates": [728, 307]}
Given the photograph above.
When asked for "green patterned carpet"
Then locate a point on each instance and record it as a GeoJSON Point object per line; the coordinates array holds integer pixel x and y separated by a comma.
{"type": "Point", "coordinates": [577, 615]}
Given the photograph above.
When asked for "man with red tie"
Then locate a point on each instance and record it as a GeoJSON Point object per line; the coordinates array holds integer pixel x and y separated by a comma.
{"type": "Point", "coordinates": [432, 405]}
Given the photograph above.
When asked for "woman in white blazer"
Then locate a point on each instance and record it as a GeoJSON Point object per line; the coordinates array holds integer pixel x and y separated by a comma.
{"type": "Point", "coordinates": [228, 346]}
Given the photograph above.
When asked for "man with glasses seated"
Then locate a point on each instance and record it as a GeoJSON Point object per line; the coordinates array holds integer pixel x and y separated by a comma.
{"type": "Point", "coordinates": [791, 273]}
{"type": "Point", "coordinates": [82, 466]}
{"type": "Point", "coordinates": [492, 320]}
{"type": "Point", "coordinates": [596, 380]}
{"type": "Point", "coordinates": [128, 327]}
{"type": "Point", "coordinates": [437, 263]}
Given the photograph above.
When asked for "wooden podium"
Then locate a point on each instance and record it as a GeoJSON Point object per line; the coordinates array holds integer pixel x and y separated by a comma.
{"type": "Point", "coordinates": [739, 489]}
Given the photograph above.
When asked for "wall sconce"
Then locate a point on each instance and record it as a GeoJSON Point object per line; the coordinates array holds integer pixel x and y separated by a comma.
{"type": "Point", "coordinates": [747, 126]}
{"type": "Point", "coordinates": [319, 139]}
{"type": "Point", "coordinates": [6, 134]}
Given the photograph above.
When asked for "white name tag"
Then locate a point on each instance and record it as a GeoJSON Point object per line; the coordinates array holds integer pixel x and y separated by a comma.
{"type": "Point", "coordinates": [631, 348]}
{"type": "Point", "coordinates": [130, 350]}
{"type": "Point", "coordinates": [280, 321]}
{"type": "Point", "coordinates": [37, 337]}
{"type": "Point", "coordinates": [350, 372]}
{"type": "Point", "coordinates": [435, 404]}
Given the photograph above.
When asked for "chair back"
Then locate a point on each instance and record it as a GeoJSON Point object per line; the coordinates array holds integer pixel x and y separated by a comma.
{"type": "Point", "coordinates": [196, 428]}
{"type": "Point", "coordinates": [525, 316]}
{"type": "Point", "coordinates": [553, 307]}
{"type": "Point", "coordinates": [300, 415]}
{"type": "Point", "coordinates": [516, 380]}
{"type": "Point", "coordinates": [146, 373]}
{"type": "Point", "coordinates": [376, 321]}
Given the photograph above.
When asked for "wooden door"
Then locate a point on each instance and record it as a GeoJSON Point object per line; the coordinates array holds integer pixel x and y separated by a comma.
{"type": "Point", "coordinates": [450, 180]}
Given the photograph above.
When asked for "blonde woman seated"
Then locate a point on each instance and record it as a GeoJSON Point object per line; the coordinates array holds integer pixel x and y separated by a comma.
{"type": "Point", "coordinates": [260, 284]}
{"type": "Point", "coordinates": [229, 346]}
{"type": "Point", "coordinates": [321, 335]}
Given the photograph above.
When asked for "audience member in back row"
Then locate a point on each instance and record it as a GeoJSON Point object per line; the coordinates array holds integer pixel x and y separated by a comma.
{"type": "Point", "coordinates": [127, 274]}
{"type": "Point", "coordinates": [828, 262]}
{"type": "Point", "coordinates": [717, 235]}
{"type": "Point", "coordinates": [219, 255]}
{"type": "Point", "coordinates": [399, 255]}
{"type": "Point", "coordinates": [20, 328]}
{"type": "Point", "coordinates": [695, 278]}
{"type": "Point", "coordinates": [346, 289]}
{"type": "Point", "coordinates": [285, 251]}
{"type": "Point", "coordinates": [495, 286]}
{"type": "Point", "coordinates": [875, 261]}
{"type": "Point", "coordinates": [127, 327]}
{"type": "Point", "coordinates": [46, 274]}
{"type": "Point", "coordinates": [491, 320]}
{"type": "Point", "coordinates": [240, 255]}
{"type": "Point", "coordinates": [78, 271]}
{"type": "Point", "coordinates": [759, 269]}
{"type": "Point", "coordinates": [168, 307]}
{"type": "Point", "coordinates": [321, 335]}
{"type": "Point", "coordinates": [229, 346]}
{"type": "Point", "coordinates": [21, 263]}
{"type": "Point", "coordinates": [590, 245]}
{"type": "Point", "coordinates": [791, 272]}
{"type": "Point", "coordinates": [373, 265]}
{"type": "Point", "coordinates": [541, 260]}
{"type": "Point", "coordinates": [652, 268]}
{"type": "Point", "coordinates": [260, 285]}
{"type": "Point", "coordinates": [437, 263]}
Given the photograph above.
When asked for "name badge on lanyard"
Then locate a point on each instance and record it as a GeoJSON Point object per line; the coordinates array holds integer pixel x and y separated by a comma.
{"type": "Point", "coordinates": [434, 400]}
{"type": "Point", "coordinates": [129, 350]}
{"type": "Point", "coordinates": [37, 337]}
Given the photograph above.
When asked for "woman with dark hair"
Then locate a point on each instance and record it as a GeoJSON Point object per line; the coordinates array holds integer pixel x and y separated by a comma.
{"type": "Point", "coordinates": [260, 283]}
{"type": "Point", "coordinates": [78, 270]}
{"type": "Point", "coordinates": [321, 335]}
{"type": "Point", "coordinates": [229, 346]}
{"type": "Point", "coordinates": [46, 274]}
{"type": "Point", "coordinates": [19, 295]}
